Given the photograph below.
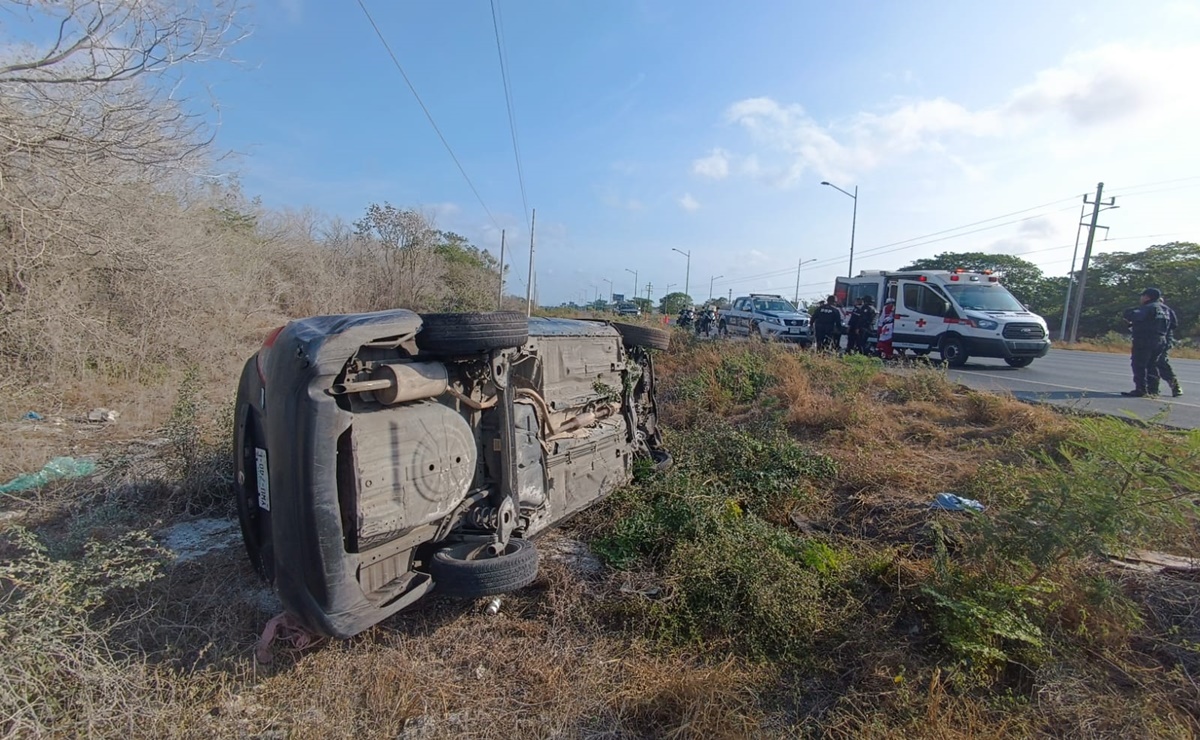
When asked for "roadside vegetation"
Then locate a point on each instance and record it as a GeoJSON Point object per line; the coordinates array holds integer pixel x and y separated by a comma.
{"type": "Point", "coordinates": [786, 578]}
{"type": "Point", "coordinates": [1115, 343]}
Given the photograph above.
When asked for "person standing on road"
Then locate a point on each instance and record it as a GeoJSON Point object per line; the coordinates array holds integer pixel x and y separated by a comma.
{"type": "Point", "coordinates": [1149, 323]}
{"type": "Point", "coordinates": [1160, 368]}
{"type": "Point", "coordinates": [866, 324]}
{"type": "Point", "coordinates": [827, 324]}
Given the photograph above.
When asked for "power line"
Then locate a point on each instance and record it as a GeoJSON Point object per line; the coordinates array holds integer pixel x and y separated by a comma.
{"type": "Point", "coordinates": [428, 115]}
{"type": "Point", "coordinates": [905, 244]}
{"type": "Point", "coordinates": [508, 102]}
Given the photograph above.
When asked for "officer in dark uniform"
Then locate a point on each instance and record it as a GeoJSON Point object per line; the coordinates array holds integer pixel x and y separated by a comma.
{"type": "Point", "coordinates": [827, 324]}
{"type": "Point", "coordinates": [868, 316]}
{"type": "Point", "coordinates": [1161, 367]}
{"type": "Point", "coordinates": [854, 327]}
{"type": "Point", "coordinates": [1149, 324]}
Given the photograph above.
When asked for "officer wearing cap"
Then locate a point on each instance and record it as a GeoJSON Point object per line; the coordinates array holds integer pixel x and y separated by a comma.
{"type": "Point", "coordinates": [1149, 323]}
{"type": "Point", "coordinates": [827, 324]}
{"type": "Point", "coordinates": [1161, 368]}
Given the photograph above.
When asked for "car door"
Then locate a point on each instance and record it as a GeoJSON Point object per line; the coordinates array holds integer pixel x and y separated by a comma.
{"type": "Point", "coordinates": [920, 315]}
{"type": "Point", "coordinates": [738, 319]}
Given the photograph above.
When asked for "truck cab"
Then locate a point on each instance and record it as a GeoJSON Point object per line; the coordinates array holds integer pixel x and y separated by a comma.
{"type": "Point", "coordinates": [765, 316]}
{"type": "Point", "coordinates": [956, 313]}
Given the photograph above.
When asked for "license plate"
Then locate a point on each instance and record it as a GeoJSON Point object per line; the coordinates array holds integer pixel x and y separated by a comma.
{"type": "Point", "coordinates": [793, 330]}
{"type": "Point", "coordinates": [261, 475]}
{"type": "Point", "coordinates": [1027, 345]}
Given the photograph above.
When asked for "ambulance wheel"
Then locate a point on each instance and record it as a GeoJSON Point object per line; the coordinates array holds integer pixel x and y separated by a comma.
{"type": "Point", "coordinates": [954, 351]}
{"type": "Point", "coordinates": [1019, 361]}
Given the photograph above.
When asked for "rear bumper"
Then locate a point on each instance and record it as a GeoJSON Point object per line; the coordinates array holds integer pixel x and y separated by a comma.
{"type": "Point", "coordinates": [315, 577]}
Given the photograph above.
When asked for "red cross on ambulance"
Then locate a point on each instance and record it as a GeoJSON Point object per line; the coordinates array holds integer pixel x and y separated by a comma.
{"type": "Point", "coordinates": [921, 323]}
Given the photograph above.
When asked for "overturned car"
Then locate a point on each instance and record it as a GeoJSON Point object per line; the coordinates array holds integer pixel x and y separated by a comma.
{"type": "Point", "coordinates": [382, 456]}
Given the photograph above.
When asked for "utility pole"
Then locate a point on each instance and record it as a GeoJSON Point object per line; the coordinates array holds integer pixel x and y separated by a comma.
{"type": "Point", "coordinates": [731, 295]}
{"type": "Point", "coordinates": [687, 276]}
{"type": "Point", "coordinates": [635, 293]}
{"type": "Point", "coordinates": [710, 284]}
{"type": "Point", "coordinates": [610, 288]}
{"type": "Point", "coordinates": [799, 264]}
{"type": "Point", "coordinates": [500, 288]}
{"type": "Point", "coordinates": [648, 287]}
{"type": "Point", "coordinates": [1062, 330]}
{"type": "Point", "coordinates": [529, 284]}
{"type": "Point", "coordinates": [1087, 257]}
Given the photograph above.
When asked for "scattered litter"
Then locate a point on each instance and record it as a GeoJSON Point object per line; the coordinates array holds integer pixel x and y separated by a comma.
{"type": "Point", "coordinates": [1154, 562]}
{"type": "Point", "coordinates": [191, 540]}
{"type": "Point", "coordinates": [102, 415]}
{"type": "Point", "coordinates": [954, 502]}
{"type": "Point", "coordinates": [287, 628]}
{"type": "Point", "coordinates": [57, 469]}
{"type": "Point", "coordinates": [493, 607]}
{"type": "Point", "coordinates": [33, 416]}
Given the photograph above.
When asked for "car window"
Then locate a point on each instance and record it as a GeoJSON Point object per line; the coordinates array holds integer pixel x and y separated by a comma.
{"type": "Point", "coordinates": [773, 304]}
{"type": "Point", "coordinates": [992, 297]}
{"type": "Point", "coordinates": [923, 299]}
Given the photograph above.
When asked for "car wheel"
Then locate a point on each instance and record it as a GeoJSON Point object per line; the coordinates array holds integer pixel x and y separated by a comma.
{"type": "Point", "coordinates": [1019, 361]}
{"type": "Point", "coordinates": [472, 333]}
{"type": "Point", "coordinates": [954, 352]}
{"type": "Point", "coordinates": [467, 570]}
{"type": "Point", "coordinates": [247, 440]}
{"type": "Point", "coordinates": [644, 336]}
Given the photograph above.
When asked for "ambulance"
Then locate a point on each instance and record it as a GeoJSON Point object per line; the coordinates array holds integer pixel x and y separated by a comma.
{"type": "Point", "coordinates": [956, 313]}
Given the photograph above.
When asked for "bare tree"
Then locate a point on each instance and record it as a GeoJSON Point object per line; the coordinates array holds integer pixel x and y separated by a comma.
{"type": "Point", "coordinates": [92, 134]}
{"type": "Point", "coordinates": [405, 238]}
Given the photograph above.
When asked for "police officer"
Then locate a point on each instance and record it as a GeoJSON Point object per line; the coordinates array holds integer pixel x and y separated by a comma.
{"type": "Point", "coordinates": [1161, 367]}
{"type": "Point", "coordinates": [1149, 324]}
{"type": "Point", "coordinates": [867, 316]}
{"type": "Point", "coordinates": [827, 324]}
{"type": "Point", "coordinates": [854, 326]}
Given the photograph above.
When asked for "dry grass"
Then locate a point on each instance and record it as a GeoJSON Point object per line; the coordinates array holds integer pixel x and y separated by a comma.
{"type": "Point", "coordinates": [575, 655]}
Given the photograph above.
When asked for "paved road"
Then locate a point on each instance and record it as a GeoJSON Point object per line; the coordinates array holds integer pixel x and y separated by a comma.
{"type": "Point", "coordinates": [1090, 381]}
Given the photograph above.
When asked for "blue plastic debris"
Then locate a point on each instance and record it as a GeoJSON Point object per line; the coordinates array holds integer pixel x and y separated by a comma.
{"type": "Point", "coordinates": [953, 502]}
{"type": "Point", "coordinates": [33, 416]}
{"type": "Point", "coordinates": [57, 469]}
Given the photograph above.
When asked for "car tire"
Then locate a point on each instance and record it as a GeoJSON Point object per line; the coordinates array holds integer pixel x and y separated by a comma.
{"type": "Point", "coordinates": [457, 570]}
{"type": "Point", "coordinates": [954, 351]}
{"type": "Point", "coordinates": [644, 336]}
{"type": "Point", "coordinates": [472, 333]}
{"type": "Point", "coordinates": [255, 523]}
{"type": "Point", "coordinates": [1019, 361]}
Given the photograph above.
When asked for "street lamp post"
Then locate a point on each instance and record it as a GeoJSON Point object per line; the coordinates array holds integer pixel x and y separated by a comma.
{"type": "Point", "coordinates": [610, 288]}
{"type": "Point", "coordinates": [853, 223]}
{"type": "Point", "coordinates": [634, 281]}
{"type": "Point", "coordinates": [687, 277]}
{"type": "Point", "coordinates": [710, 284]}
{"type": "Point", "coordinates": [800, 264]}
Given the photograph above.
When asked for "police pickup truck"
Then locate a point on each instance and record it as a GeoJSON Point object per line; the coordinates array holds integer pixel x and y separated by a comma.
{"type": "Point", "coordinates": [766, 317]}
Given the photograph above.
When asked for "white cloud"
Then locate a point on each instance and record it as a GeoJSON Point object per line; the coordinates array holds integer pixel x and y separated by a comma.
{"type": "Point", "coordinates": [688, 203]}
{"type": "Point", "coordinates": [715, 165]}
{"type": "Point", "coordinates": [1111, 86]}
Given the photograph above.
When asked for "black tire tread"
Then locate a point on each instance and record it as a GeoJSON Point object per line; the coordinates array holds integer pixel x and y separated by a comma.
{"type": "Point", "coordinates": [487, 577]}
{"type": "Point", "coordinates": [471, 333]}
{"type": "Point", "coordinates": [643, 336]}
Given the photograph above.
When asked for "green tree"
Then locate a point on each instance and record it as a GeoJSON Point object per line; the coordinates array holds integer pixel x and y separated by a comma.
{"type": "Point", "coordinates": [1115, 280]}
{"type": "Point", "coordinates": [673, 303]}
{"type": "Point", "coordinates": [1022, 278]}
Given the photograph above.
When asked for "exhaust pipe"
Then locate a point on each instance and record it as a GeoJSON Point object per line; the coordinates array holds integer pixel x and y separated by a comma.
{"type": "Point", "coordinates": [401, 382]}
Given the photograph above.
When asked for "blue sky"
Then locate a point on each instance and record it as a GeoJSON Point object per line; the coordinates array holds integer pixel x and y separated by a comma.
{"type": "Point", "coordinates": [648, 126]}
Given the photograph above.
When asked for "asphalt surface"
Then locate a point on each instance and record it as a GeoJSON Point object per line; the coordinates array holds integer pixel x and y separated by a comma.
{"type": "Point", "coordinates": [1089, 381]}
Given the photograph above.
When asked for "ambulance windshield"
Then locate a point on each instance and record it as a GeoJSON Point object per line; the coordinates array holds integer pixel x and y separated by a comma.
{"type": "Point", "coordinates": [989, 297]}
